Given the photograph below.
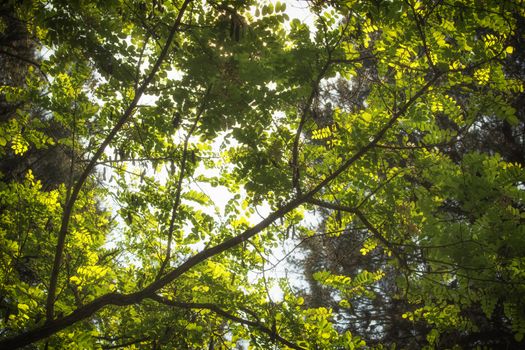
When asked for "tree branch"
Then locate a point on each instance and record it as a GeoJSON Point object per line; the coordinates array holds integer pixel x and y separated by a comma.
{"type": "Point", "coordinates": [68, 209]}
{"type": "Point", "coordinates": [365, 221]}
{"type": "Point", "coordinates": [126, 344]}
{"type": "Point", "coordinates": [333, 206]}
{"type": "Point", "coordinates": [179, 182]}
{"type": "Point", "coordinates": [381, 238]}
{"type": "Point", "coordinates": [306, 110]}
{"type": "Point", "coordinates": [26, 60]}
{"type": "Point", "coordinates": [417, 19]}
{"type": "Point", "coordinates": [212, 307]}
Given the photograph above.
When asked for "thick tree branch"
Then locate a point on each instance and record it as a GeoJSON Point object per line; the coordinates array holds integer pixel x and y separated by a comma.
{"type": "Point", "coordinates": [216, 309]}
{"type": "Point", "coordinates": [68, 209]}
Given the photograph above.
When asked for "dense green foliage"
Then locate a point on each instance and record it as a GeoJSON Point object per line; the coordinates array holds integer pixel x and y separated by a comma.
{"type": "Point", "coordinates": [123, 123]}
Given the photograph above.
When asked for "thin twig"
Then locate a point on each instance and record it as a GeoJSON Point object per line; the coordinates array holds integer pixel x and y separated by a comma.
{"type": "Point", "coordinates": [219, 311]}
{"type": "Point", "coordinates": [179, 182]}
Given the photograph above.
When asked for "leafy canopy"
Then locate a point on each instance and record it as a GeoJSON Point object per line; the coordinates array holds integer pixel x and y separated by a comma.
{"type": "Point", "coordinates": [124, 120]}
